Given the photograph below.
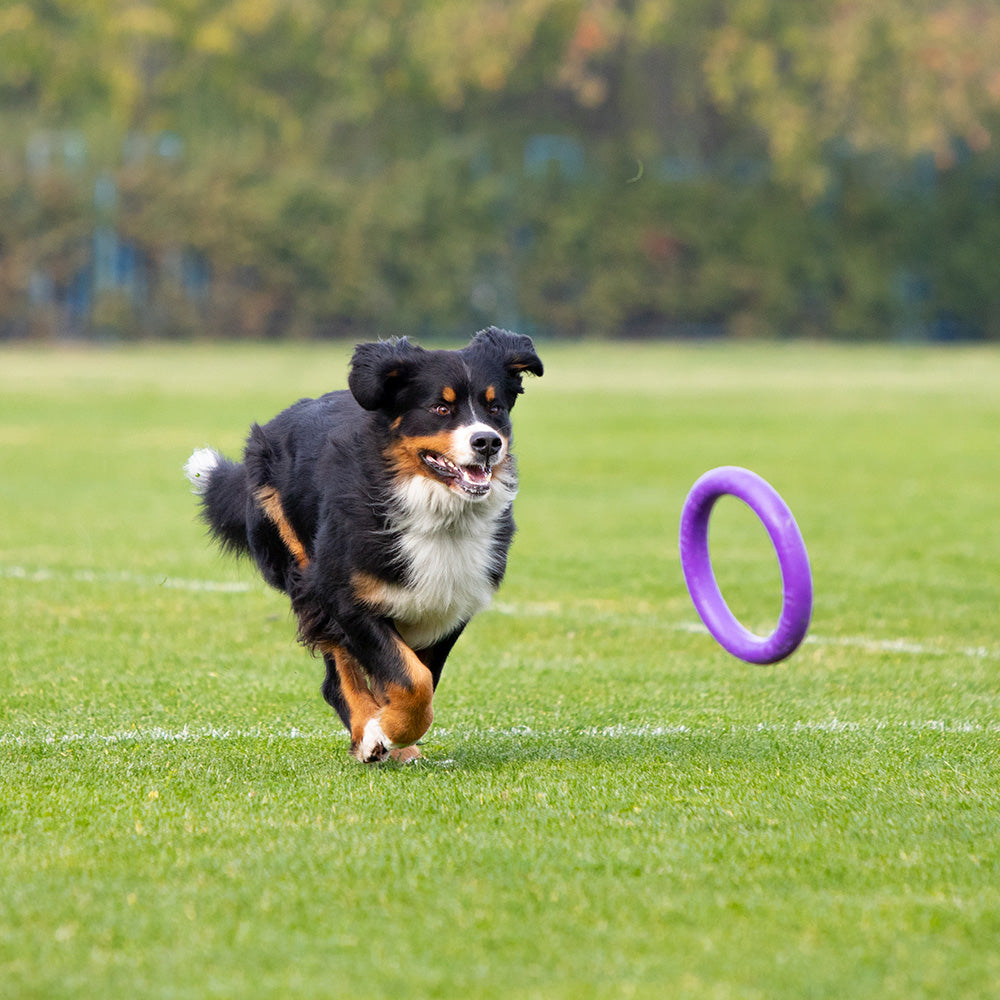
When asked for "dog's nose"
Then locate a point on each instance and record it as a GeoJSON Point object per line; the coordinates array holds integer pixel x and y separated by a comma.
{"type": "Point", "coordinates": [486, 444]}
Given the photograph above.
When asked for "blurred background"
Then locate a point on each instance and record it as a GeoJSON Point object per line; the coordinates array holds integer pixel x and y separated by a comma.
{"type": "Point", "coordinates": [299, 169]}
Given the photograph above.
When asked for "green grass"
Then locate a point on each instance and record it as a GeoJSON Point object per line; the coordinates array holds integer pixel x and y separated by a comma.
{"type": "Point", "coordinates": [610, 805]}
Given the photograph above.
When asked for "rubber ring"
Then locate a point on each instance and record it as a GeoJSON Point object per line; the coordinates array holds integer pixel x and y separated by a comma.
{"type": "Point", "coordinates": [696, 563]}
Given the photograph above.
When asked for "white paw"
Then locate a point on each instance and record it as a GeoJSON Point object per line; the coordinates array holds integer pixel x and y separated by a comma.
{"type": "Point", "coordinates": [374, 745]}
{"type": "Point", "coordinates": [199, 468]}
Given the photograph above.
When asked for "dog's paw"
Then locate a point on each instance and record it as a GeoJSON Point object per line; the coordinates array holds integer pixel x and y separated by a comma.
{"type": "Point", "coordinates": [405, 755]}
{"type": "Point", "coordinates": [374, 745]}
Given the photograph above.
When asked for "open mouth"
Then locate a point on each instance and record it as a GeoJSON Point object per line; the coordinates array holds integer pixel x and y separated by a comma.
{"type": "Point", "coordinates": [472, 479]}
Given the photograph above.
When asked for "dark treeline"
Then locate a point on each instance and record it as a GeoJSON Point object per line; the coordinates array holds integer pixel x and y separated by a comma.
{"type": "Point", "coordinates": [326, 168]}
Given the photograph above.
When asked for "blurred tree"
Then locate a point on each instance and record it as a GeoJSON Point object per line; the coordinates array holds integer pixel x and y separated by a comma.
{"type": "Point", "coordinates": [907, 76]}
{"type": "Point", "coordinates": [577, 164]}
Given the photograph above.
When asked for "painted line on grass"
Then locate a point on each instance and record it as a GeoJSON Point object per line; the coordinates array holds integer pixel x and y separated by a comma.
{"type": "Point", "coordinates": [118, 577]}
{"type": "Point", "coordinates": [530, 609]}
{"type": "Point", "coordinates": [619, 731]}
{"type": "Point", "coordinates": [611, 609]}
{"type": "Point", "coordinates": [159, 734]}
{"type": "Point", "coordinates": [903, 646]}
{"type": "Point", "coordinates": [906, 646]}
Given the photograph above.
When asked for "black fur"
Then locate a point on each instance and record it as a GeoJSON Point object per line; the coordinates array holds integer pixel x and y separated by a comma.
{"type": "Point", "coordinates": [359, 499]}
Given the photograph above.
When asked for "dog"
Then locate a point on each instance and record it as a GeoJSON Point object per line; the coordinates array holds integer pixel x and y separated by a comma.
{"type": "Point", "coordinates": [384, 512]}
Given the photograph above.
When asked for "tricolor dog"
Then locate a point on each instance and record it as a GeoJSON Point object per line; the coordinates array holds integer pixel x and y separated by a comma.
{"type": "Point", "coordinates": [384, 513]}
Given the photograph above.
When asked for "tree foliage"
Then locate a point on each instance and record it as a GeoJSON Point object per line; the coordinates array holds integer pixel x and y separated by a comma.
{"type": "Point", "coordinates": [905, 76]}
{"type": "Point", "coordinates": [294, 167]}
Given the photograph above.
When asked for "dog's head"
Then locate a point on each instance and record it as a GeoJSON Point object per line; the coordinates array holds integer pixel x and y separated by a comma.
{"type": "Point", "coordinates": [448, 412]}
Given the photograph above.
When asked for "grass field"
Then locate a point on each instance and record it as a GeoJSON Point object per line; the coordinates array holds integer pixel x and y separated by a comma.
{"type": "Point", "coordinates": [610, 805]}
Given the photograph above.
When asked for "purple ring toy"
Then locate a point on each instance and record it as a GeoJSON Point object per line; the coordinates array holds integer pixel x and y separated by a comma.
{"type": "Point", "coordinates": [796, 578]}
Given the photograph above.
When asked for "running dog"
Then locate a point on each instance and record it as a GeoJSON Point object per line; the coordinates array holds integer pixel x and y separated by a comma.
{"type": "Point", "coordinates": [384, 513]}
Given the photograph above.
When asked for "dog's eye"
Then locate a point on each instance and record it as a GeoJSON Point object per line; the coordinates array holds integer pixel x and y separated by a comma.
{"type": "Point", "coordinates": [494, 409]}
{"type": "Point", "coordinates": [442, 410]}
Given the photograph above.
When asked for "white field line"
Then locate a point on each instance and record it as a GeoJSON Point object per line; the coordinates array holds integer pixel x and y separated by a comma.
{"type": "Point", "coordinates": [862, 642]}
{"type": "Point", "coordinates": [210, 734]}
{"type": "Point", "coordinates": [903, 646]}
{"type": "Point", "coordinates": [539, 609]}
{"type": "Point", "coordinates": [125, 577]}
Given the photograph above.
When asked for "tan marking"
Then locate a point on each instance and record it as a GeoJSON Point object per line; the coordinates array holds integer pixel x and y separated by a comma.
{"type": "Point", "coordinates": [370, 589]}
{"type": "Point", "coordinates": [270, 504]}
{"type": "Point", "coordinates": [403, 710]}
{"type": "Point", "coordinates": [408, 713]}
{"type": "Point", "coordinates": [405, 453]}
{"type": "Point", "coordinates": [396, 423]}
{"type": "Point", "coordinates": [491, 393]}
{"type": "Point", "coordinates": [362, 704]}
{"type": "Point", "coordinates": [448, 394]}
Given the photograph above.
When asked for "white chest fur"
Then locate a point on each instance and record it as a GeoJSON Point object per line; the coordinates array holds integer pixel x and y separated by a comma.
{"type": "Point", "coordinates": [447, 546]}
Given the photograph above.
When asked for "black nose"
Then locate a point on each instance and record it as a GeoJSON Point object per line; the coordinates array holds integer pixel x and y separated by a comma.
{"type": "Point", "coordinates": [486, 444]}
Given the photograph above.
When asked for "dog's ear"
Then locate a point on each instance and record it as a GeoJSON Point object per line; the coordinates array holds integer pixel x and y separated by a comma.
{"type": "Point", "coordinates": [516, 352]}
{"type": "Point", "coordinates": [380, 370]}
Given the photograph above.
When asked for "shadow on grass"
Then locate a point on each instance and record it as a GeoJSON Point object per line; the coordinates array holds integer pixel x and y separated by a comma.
{"type": "Point", "coordinates": [494, 752]}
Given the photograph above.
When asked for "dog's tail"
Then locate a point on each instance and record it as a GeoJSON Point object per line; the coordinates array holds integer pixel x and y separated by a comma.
{"type": "Point", "coordinates": [224, 492]}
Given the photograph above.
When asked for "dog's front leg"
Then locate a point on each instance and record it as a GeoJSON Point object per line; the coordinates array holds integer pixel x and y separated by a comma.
{"type": "Point", "coordinates": [387, 688]}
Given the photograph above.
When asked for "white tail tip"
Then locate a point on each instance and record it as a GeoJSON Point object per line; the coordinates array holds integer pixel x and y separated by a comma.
{"type": "Point", "coordinates": [199, 468]}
